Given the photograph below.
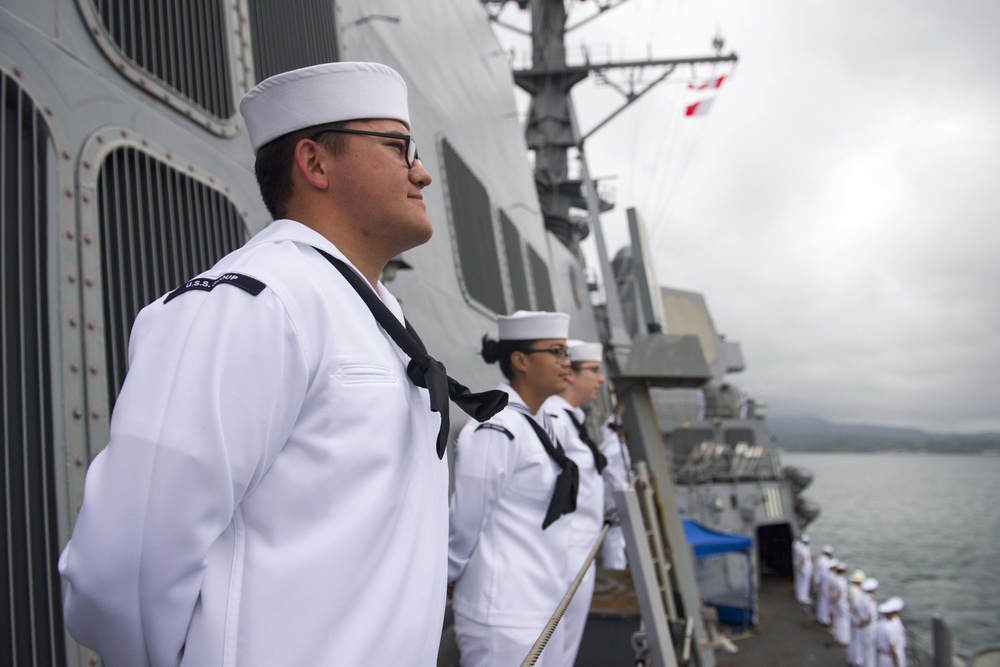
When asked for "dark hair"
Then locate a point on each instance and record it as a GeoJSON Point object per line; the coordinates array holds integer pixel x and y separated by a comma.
{"type": "Point", "coordinates": [495, 351]}
{"type": "Point", "coordinates": [273, 166]}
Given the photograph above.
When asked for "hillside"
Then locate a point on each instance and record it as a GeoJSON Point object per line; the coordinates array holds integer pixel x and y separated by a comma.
{"type": "Point", "coordinates": [811, 434]}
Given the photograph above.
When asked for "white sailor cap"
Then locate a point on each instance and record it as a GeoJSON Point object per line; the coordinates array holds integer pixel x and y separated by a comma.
{"type": "Point", "coordinates": [582, 351]}
{"type": "Point", "coordinates": [891, 606]}
{"type": "Point", "coordinates": [869, 585]}
{"type": "Point", "coordinates": [532, 325]}
{"type": "Point", "coordinates": [857, 576]}
{"type": "Point", "coordinates": [320, 94]}
{"type": "Point", "coordinates": [805, 538]}
{"type": "Point", "coordinates": [828, 550]}
{"type": "Point", "coordinates": [841, 566]}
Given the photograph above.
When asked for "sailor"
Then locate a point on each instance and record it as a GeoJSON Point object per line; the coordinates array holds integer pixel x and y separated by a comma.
{"type": "Point", "coordinates": [890, 635]}
{"type": "Point", "coordinates": [840, 614]}
{"type": "Point", "coordinates": [869, 619]}
{"type": "Point", "coordinates": [271, 494]}
{"type": "Point", "coordinates": [803, 568]}
{"type": "Point", "coordinates": [569, 420]}
{"type": "Point", "coordinates": [511, 510]}
{"type": "Point", "coordinates": [820, 573]}
{"type": "Point", "coordinates": [616, 477]}
{"type": "Point", "coordinates": [855, 604]}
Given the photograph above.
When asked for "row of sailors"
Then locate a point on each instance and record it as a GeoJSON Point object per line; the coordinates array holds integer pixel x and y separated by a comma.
{"type": "Point", "coordinates": [873, 633]}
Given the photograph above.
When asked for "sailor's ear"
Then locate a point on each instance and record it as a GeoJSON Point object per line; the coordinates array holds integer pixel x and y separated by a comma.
{"type": "Point", "coordinates": [311, 164]}
{"type": "Point", "coordinates": [519, 361]}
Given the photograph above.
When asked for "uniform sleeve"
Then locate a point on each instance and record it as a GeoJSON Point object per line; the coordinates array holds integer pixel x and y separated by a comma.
{"type": "Point", "coordinates": [214, 386]}
{"type": "Point", "coordinates": [616, 473]}
{"type": "Point", "coordinates": [484, 461]}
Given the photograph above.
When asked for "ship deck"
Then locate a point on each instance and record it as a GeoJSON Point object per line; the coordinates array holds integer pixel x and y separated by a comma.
{"type": "Point", "coordinates": [786, 635]}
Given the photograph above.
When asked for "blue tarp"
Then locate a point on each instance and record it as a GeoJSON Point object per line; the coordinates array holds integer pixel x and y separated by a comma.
{"type": "Point", "coordinates": [708, 542]}
{"type": "Point", "coordinates": [722, 567]}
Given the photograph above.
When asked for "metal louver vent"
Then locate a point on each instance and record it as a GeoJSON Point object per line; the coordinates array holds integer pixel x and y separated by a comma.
{"type": "Point", "coordinates": [515, 263]}
{"type": "Point", "coordinates": [31, 630]}
{"type": "Point", "coordinates": [159, 228]}
{"type": "Point", "coordinates": [472, 224]}
{"type": "Point", "coordinates": [543, 284]}
{"type": "Point", "coordinates": [182, 44]}
{"type": "Point", "coordinates": [291, 34]}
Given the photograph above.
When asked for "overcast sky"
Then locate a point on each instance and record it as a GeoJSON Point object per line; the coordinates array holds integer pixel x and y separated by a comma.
{"type": "Point", "coordinates": [838, 205]}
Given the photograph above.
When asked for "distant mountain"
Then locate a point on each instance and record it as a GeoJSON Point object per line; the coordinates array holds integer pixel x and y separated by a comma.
{"type": "Point", "coordinates": [811, 434]}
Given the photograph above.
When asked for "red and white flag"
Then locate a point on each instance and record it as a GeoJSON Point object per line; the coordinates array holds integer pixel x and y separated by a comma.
{"type": "Point", "coordinates": [711, 83]}
{"type": "Point", "coordinates": [699, 108]}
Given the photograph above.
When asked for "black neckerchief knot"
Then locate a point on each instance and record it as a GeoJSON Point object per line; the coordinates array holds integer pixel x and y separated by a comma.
{"type": "Point", "coordinates": [567, 483]}
{"type": "Point", "coordinates": [600, 460]}
{"type": "Point", "coordinates": [424, 370]}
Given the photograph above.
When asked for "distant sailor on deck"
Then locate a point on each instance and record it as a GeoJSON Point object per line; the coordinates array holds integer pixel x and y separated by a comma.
{"type": "Point", "coordinates": [840, 614]}
{"type": "Point", "coordinates": [855, 603]}
{"type": "Point", "coordinates": [512, 509]}
{"type": "Point", "coordinates": [803, 568]}
{"type": "Point", "coordinates": [890, 635]}
{"type": "Point", "coordinates": [820, 575]}
{"type": "Point", "coordinates": [868, 621]}
{"type": "Point", "coordinates": [616, 475]}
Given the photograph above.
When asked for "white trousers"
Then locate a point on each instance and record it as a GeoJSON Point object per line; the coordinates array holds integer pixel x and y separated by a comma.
{"type": "Point", "coordinates": [495, 646]}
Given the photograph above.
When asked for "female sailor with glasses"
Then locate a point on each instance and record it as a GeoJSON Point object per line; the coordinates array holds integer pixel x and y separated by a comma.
{"type": "Point", "coordinates": [515, 484]}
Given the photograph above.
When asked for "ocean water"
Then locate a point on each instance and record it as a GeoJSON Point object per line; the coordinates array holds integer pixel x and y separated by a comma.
{"type": "Point", "coordinates": [927, 526]}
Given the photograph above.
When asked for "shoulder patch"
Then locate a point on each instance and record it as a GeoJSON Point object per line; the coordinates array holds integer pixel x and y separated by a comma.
{"type": "Point", "coordinates": [495, 427]}
{"type": "Point", "coordinates": [245, 283]}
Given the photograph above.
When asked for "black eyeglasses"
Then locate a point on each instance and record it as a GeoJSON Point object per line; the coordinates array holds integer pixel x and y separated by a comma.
{"type": "Point", "coordinates": [560, 353]}
{"type": "Point", "coordinates": [410, 152]}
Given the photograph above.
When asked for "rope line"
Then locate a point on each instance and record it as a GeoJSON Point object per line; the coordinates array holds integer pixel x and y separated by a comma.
{"type": "Point", "coordinates": [550, 627]}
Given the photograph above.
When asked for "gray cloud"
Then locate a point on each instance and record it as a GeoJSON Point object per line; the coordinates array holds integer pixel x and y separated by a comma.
{"type": "Point", "coordinates": [837, 206]}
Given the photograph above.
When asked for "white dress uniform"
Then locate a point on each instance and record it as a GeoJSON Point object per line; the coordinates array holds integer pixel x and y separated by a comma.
{"type": "Point", "coordinates": [840, 612]}
{"type": "Point", "coordinates": [803, 571]}
{"type": "Point", "coordinates": [890, 634]}
{"type": "Point", "coordinates": [820, 575]}
{"type": "Point", "coordinates": [270, 494]}
{"type": "Point", "coordinates": [867, 611]}
{"type": "Point", "coordinates": [509, 574]}
{"type": "Point", "coordinates": [858, 606]}
{"type": "Point", "coordinates": [616, 477]}
{"type": "Point", "coordinates": [586, 522]}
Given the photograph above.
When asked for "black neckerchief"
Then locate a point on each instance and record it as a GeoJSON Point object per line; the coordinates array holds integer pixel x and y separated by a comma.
{"type": "Point", "coordinates": [600, 461]}
{"type": "Point", "coordinates": [567, 483]}
{"type": "Point", "coordinates": [424, 370]}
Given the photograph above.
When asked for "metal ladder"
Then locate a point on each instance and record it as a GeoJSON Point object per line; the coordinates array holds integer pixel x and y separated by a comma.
{"type": "Point", "coordinates": [651, 567]}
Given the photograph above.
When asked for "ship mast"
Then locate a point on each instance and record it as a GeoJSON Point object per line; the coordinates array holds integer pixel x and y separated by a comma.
{"type": "Point", "coordinates": [550, 130]}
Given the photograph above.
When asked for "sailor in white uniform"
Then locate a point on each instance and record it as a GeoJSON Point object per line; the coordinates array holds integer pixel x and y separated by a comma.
{"type": "Point", "coordinates": [840, 614]}
{"type": "Point", "coordinates": [869, 619]}
{"type": "Point", "coordinates": [820, 574]}
{"type": "Point", "coordinates": [617, 474]}
{"type": "Point", "coordinates": [271, 494]}
{"type": "Point", "coordinates": [890, 635]}
{"type": "Point", "coordinates": [855, 603]}
{"type": "Point", "coordinates": [803, 568]}
{"type": "Point", "coordinates": [512, 508]}
{"type": "Point", "coordinates": [569, 419]}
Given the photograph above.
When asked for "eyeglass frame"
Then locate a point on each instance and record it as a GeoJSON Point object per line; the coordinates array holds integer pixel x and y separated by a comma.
{"type": "Point", "coordinates": [561, 353]}
{"type": "Point", "coordinates": [410, 141]}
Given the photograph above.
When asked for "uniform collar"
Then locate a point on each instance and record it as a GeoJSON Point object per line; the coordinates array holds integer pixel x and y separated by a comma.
{"type": "Point", "coordinates": [291, 230]}
{"type": "Point", "coordinates": [553, 404]}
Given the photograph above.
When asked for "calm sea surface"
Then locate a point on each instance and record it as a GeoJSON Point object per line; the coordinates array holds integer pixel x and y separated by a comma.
{"type": "Point", "coordinates": [926, 526]}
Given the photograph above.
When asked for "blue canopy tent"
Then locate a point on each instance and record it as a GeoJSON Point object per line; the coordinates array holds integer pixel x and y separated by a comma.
{"type": "Point", "coordinates": [724, 572]}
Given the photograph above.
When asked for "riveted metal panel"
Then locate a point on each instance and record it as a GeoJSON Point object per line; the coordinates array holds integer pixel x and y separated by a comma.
{"type": "Point", "coordinates": [31, 630]}
{"type": "Point", "coordinates": [151, 223]}
{"type": "Point", "coordinates": [190, 54]}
